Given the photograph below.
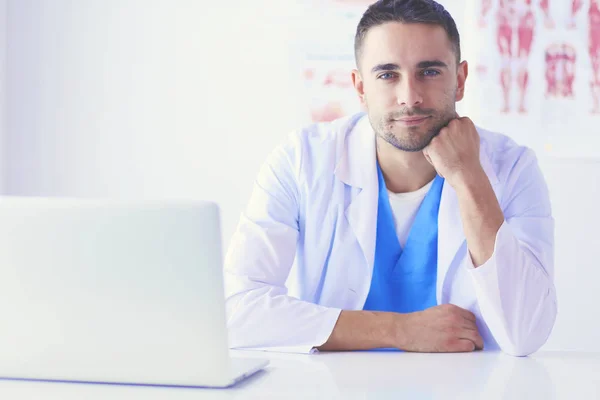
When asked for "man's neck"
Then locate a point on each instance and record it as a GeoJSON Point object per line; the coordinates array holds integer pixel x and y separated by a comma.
{"type": "Point", "coordinates": [403, 171]}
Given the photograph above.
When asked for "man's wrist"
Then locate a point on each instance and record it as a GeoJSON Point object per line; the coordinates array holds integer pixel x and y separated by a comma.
{"type": "Point", "coordinates": [396, 336]}
{"type": "Point", "coordinates": [469, 180]}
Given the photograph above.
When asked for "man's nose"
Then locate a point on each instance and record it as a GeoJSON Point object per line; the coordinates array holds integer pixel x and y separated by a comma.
{"type": "Point", "coordinates": [409, 93]}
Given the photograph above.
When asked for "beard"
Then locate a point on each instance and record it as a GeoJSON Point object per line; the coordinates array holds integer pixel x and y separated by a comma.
{"type": "Point", "coordinates": [412, 139]}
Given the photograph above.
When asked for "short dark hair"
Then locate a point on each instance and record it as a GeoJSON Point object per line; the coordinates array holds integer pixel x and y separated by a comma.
{"type": "Point", "coordinates": [408, 12]}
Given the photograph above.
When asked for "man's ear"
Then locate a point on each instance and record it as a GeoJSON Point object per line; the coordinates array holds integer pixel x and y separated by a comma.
{"type": "Point", "coordinates": [358, 86]}
{"type": "Point", "coordinates": [462, 73]}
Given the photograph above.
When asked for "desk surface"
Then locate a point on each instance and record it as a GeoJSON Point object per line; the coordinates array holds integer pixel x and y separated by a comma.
{"type": "Point", "coordinates": [370, 375]}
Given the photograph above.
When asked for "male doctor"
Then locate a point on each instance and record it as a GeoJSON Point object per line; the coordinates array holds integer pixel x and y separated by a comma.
{"type": "Point", "coordinates": [408, 227]}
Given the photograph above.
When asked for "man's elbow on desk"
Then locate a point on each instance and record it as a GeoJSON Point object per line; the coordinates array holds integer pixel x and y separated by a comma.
{"type": "Point", "coordinates": [524, 330]}
{"type": "Point", "coordinates": [530, 337]}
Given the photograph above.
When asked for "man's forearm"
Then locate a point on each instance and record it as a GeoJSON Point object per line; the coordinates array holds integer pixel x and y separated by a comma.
{"type": "Point", "coordinates": [481, 216]}
{"type": "Point", "coordinates": [444, 328]}
{"type": "Point", "coordinates": [362, 330]}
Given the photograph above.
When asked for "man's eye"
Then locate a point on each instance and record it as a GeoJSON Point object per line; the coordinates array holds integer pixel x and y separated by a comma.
{"type": "Point", "coordinates": [386, 76]}
{"type": "Point", "coordinates": [431, 72]}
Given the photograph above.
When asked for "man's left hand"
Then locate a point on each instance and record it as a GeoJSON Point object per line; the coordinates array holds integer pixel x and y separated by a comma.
{"type": "Point", "coordinates": [454, 152]}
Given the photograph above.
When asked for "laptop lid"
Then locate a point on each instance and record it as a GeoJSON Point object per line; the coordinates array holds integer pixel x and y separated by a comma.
{"type": "Point", "coordinates": [105, 291]}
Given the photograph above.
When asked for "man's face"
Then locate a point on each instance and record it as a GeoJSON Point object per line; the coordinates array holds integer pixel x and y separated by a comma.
{"type": "Point", "coordinates": [409, 82]}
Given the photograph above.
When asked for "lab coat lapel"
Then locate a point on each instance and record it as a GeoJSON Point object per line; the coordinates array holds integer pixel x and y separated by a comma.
{"type": "Point", "coordinates": [357, 168]}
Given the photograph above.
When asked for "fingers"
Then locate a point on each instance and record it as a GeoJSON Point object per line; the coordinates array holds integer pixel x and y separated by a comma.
{"type": "Point", "coordinates": [473, 336]}
{"type": "Point", "coordinates": [460, 346]}
{"type": "Point", "coordinates": [468, 329]}
{"type": "Point", "coordinates": [427, 157]}
{"type": "Point", "coordinates": [469, 316]}
{"type": "Point", "coordinates": [466, 314]}
{"type": "Point", "coordinates": [479, 342]}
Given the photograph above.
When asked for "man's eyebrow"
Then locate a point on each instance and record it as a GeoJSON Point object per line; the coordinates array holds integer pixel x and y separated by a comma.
{"type": "Point", "coordinates": [385, 67]}
{"type": "Point", "coordinates": [420, 65]}
{"type": "Point", "coordinates": [432, 63]}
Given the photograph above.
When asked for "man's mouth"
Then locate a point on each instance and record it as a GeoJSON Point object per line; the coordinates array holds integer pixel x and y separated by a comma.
{"type": "Point", "coordinates": [411, 121]}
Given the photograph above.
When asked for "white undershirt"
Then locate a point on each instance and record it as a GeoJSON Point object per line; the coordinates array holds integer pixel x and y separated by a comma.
{"type": "Point", "coordinates": [404, 208]}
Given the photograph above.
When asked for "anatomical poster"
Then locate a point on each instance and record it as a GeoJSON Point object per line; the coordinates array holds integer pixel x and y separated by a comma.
{"type": "Point", "coordinates": [535, 72]}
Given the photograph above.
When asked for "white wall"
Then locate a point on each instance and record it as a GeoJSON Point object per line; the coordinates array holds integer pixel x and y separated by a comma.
{"type": "Point", "coordinates": [146, 98]}
{"type": "Point", "coordinates": [575, 194]}
{"type": "Point", "coordinates": [3, 95]}
{"type": "Point", "coordinates": [131, 98]}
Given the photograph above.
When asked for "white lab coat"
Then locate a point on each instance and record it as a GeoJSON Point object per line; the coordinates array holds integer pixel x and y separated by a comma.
{"type": "Point", "coordinates": [305, 245]}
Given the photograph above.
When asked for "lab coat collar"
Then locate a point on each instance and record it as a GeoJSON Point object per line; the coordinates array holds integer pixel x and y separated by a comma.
{"type": "Point", "coordinates": [357, 165]}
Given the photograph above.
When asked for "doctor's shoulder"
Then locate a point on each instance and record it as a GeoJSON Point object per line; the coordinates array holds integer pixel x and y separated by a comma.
{"type": "Point", "coordinates": [509, 159]}
{"type": "Point", "coordinates": [310, 153]}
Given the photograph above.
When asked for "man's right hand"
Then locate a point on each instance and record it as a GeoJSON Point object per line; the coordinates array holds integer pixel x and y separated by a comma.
{"type": "Point", "coordinates": [445, 328]}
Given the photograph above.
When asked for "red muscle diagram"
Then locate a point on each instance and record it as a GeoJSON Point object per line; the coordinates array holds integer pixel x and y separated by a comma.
{"type": "Point", "coordinates": [515, 31]}
{"type": "Point", "coordinates": [333, 91]}
{"type": "Point", "coordinates": [575, 6]}
{"type": "Point", "coordinates": [594, 50]}
{"type": "Point", "coordinates": [339, 78]}
{"type": "Point", "coordinates": [593, 46]}
{"type": "Point", "coordinates": [560, 70]}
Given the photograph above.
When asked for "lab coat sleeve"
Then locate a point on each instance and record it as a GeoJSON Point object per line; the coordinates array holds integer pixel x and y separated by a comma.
{"type": "Point", "coordinates": [515, 287]}
{"type": "Point", "coordinates": [260, 313]}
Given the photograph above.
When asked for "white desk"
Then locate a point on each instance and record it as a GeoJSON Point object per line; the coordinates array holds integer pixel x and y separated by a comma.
{"type": "Point", "coordinates": [371, 375]}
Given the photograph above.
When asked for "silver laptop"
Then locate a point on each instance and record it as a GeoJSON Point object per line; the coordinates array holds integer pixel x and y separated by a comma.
{"type": "Point", "coordinates": [111, 292]}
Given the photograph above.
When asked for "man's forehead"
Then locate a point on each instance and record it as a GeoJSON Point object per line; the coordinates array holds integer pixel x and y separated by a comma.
{"type": "Point", "coordinates": [399, 42]}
